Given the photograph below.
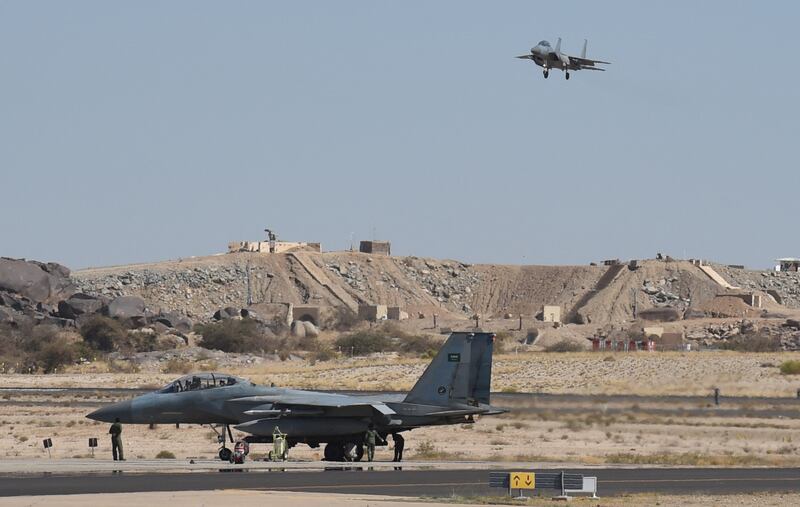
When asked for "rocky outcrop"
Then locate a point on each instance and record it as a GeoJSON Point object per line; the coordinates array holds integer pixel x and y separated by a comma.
{"type": "Point", "coordinates": [39, 282]}
{"type": "Point", "coordinates": [786, 333]}
{"type": "Point", "coordinates": [783, 286]}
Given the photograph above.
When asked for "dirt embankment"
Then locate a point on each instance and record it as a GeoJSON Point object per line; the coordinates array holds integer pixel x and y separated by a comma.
{"type": "Point", "coordinates": [783, 286]}
{"type": "Point", "coordinates": [596, 294]}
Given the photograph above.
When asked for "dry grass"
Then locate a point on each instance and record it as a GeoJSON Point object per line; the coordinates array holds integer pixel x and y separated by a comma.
{"type": "Point", "coordinates": [697, 459]}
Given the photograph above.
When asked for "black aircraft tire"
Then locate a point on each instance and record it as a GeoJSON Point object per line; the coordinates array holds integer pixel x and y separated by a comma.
{"type": "Point", "coordinates": [359, 452]}
{"type": "Point", "coordinates": [225, 454]}
{"type": "Point", "coordinates": [334, 452]}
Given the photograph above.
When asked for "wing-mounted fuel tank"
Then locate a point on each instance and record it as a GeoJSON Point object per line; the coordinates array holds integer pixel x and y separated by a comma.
{"type": "Point", "coordinates": [305, 428]}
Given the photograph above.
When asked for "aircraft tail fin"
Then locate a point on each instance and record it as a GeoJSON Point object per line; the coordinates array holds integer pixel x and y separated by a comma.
{"type": "Point", "coordinates": [461, 373]}
{"type": "Point", "coordinates": [558, 46]}
{"type": "Point", "coordinates": [583, 53]}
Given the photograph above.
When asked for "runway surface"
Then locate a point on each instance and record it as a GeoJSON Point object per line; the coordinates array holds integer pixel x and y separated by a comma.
{"type": "Point", "coordinates": [412, 483]}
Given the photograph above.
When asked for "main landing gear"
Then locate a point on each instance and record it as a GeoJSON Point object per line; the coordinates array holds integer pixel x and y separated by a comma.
{"type": "Point", "coordinates": [566, 74]}
{"type": "Point", "coordinates": [344, 451]}
{"type": "Point", "coordinates": [546, 72]}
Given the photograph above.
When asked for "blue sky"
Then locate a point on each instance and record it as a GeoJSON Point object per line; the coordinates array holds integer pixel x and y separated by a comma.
{"type": "Point", "coordinates": [141, 131]}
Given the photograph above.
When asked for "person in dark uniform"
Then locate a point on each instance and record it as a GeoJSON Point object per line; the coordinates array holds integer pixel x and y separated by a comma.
{"type": "Point", "coordinates": [116, 440]}
{"type": "Point", "coordinates": [370, 439]}
{"type": "Point", "coordinates": [399, 443]}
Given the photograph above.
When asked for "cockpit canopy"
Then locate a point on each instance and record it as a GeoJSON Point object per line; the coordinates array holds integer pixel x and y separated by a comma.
{"type": "Point", "coordinates": [544, 43]}
{"type": "Point", "coordinates": [198, 381]}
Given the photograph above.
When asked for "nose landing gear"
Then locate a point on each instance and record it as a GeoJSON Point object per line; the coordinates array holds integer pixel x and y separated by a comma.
{"type": "Point", "coordinates": [566, 74]}
{"type": "Point", "coordinates": [546, 72]}
{"type": "Point", "coordinates": [224, 453]}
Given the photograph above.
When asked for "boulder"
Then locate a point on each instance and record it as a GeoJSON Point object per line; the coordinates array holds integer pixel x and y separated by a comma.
{"type": "Point", "coordinates": [226, 313]}
{"type": "Point", "coordinates": [298, 329]}
{"type": "Point", "coordinates": [126, 307]}
{"type": "Point", "coordinates": [39, 282]}
{"type": "Point", "coordinates": [79, 304]}
{"type": "Point", "coordinates": [310, 329]}
{"type": "Point", "coordinates": [175, 320]}
{"type": "Point", "coordinates": [15, 303]}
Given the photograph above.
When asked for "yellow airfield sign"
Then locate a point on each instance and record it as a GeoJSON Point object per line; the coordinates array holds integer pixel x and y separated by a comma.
{"type": "Point", "coordinates": [522, 480]}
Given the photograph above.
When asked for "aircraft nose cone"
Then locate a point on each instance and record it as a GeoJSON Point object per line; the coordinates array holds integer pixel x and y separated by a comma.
{"type": "Point", "coordinates": [110, 413]}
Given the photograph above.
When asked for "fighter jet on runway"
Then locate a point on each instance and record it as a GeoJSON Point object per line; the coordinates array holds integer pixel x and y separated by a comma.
{"type": "Point", "coordinates": [548, 58]}
{"type": "Point", "coordinates": [453, 389]}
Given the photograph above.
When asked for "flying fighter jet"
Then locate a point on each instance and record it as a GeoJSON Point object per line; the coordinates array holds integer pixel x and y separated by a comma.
{"type": "Point", "coordinates": [548, 58]}
{"type": "Point", "coordinates": [453, 390]}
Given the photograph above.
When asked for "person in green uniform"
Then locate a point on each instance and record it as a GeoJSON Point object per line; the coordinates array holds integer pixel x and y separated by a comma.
{"type": "Point", "coordinates": [116, 440]}
{"type": "Point", "coordinates": [371, 437]}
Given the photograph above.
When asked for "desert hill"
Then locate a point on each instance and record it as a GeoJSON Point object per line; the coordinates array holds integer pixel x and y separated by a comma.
{"type": "Point", "coordinates": [592, 294]}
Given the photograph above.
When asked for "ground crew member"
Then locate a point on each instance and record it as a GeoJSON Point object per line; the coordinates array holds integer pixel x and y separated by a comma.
{"type": "Point", "coordinates": [370, 438]}
{"type": "Point", "coordinates": [116, 440]}
{"type": "Point", "coordinates": [399, 443]}
{"type": "Point", "coordinates": [716, 396]}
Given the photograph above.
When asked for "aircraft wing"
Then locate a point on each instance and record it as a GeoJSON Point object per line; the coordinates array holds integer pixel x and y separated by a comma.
{"type": "Point", "coordinates": [315, 400]}
{"type": "Point", "coordinates": [586, 63]}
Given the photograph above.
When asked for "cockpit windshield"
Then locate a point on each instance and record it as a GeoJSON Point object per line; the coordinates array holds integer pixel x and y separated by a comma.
{"type": "Point", "coordinates": [544, 43]}
{"type": "Point", "coordinates": [197, 381]}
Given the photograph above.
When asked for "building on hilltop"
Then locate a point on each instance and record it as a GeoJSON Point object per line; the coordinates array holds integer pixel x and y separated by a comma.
{"type": "Point", "coordinates": [788, 264]}
{"type": "Point", "coordinates": [375, 247]}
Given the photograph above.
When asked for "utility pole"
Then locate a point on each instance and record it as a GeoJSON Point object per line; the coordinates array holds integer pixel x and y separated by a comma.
{"type": "Point", "coordinates": [249, 285]}
{"type": "Point", "coordinates": [633, 301]}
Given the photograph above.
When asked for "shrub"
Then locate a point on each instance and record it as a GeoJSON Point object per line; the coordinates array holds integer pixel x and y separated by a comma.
{"type": "Point", "coordinates": [564, 346]}
{"type": "Point", "coordinates": [33, 348]}
{"type": "Point", "coordinates": [386, 338]}
{"type": "Point", "coordinates": [103, 333]}
{"type": "Point", "coordinates": [176, 365]}
{"type": "Point", "coordinates": [137, 341]}
{"type": "Point", "coordinates": [426, 449]}
{"type": "Point", "coordinates": [790, 367]}
{"type": "Point", "coordinates": [362, 343]}
{"type": "Point", "coordinates": [165, 455]}
{"type": "Point", "coordinates": [417, 344]}
{"type": "Point", "coordinates": [342, 319]}
{"type": "Point", "coordinates": [55, 354]}
{"type": "Point", "coordinates": [323, 352]}
{"type": "Point", "coordinates": [123, 367]}
{"type": "Point", "coordinates": [753, 343]}
{"type": "Point", "coordinates": [234, 335]}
